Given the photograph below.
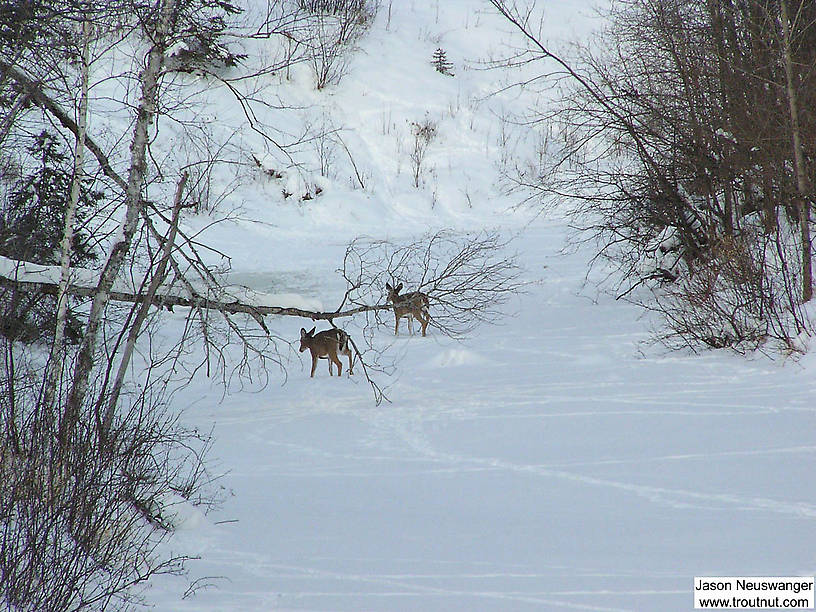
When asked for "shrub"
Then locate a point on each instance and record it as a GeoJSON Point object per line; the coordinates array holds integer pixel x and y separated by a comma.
{"type": "Point", "coordinates": [334, 27]}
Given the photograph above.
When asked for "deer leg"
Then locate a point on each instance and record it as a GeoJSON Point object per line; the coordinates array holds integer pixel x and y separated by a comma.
{"type": "Point", "coordinates": [351, 357]}
{"type": "Point", "coordinates": [314, 364]}
{"type": "Point", "coordinates": [396, 325]}
{"type": "Point", "coordinates": [424, 320]}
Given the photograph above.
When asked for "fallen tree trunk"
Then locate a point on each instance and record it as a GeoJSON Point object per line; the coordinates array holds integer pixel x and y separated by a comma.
{"type": "Point", "coordinates": [25, 276]}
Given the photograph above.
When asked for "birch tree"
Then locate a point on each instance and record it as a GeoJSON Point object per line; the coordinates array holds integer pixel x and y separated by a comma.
{"type": "Point", "coordinates": [81, 522]}
{"type": "Point", "coordinates": [145, 115]}
{"type": "Point", "coordinates": [55, 359]}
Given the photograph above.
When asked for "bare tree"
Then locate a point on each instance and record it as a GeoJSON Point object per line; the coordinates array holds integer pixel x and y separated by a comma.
{"type": "Point", "coordinates": [423, 133]}
{"type": "Point", "coordinates": [83, 514]}
{"type": "Point", "coordinates": [675, 137]}
{"type": "Point", "coordinates": [335, 27]}
{"type": "Point", "coordinates": [55, 358]}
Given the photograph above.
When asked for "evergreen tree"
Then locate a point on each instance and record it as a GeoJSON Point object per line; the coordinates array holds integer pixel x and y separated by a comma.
{"type": "Point", "coordinates": [31, 226]}
{"type": "Point", "coordinates": [441, 63]}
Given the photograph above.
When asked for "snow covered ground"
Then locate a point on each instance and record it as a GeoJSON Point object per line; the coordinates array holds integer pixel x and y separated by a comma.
{"type": "Point", "coordinates": [555, 461]}
{"type": "Point", "coordinates": [550, 463]}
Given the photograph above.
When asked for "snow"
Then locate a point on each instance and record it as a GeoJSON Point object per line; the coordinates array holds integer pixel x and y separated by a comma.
{"type": "Point", "coordinates": [28, 272]}
{"type": "Point", "coordinates": [455, 357]}
{"type": "Point", "coordinates": [180, 514]}
{"type": "Point", "coordinates": [556, 461]}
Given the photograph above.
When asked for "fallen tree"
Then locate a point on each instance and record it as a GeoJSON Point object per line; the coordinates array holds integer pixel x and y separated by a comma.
{"type": "Point", "coordinates": [228, 300]}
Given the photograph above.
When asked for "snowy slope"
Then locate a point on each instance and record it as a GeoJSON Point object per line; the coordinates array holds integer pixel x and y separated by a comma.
{"type": "Point", "coordinates": [552, 462]}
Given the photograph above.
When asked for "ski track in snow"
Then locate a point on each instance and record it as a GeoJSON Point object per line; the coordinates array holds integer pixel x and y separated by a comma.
{"type": "Point", "coordinates": [657, 495]}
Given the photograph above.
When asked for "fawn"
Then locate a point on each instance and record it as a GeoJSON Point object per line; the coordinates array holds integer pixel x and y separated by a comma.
{"type": "Point", "coordinates": [325, 345]}
{"type": "Point", "coordinates": [413, 305]}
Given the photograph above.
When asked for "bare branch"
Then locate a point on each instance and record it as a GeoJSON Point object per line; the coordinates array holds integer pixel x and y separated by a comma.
{"type": "Point", "coordinates": [467, 278]}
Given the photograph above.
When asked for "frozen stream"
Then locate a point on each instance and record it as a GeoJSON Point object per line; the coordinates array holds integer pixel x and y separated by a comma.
{"type": "Point", "coordinates": [553, 462]}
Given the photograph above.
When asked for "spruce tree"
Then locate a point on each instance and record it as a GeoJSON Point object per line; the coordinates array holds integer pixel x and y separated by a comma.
{"type": "Point", "coordinates": [441, 63]}
{"type": "Point", "coordinates": [31, 227]}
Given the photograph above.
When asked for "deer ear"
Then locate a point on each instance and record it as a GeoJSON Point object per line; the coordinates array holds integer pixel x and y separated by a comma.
{"type": "Point", "coordinates": [398, 287]}
{"type": "Point", "coordinates": [302, 333]}
{"type": "Point", "coordinates": [312, 332]}
{"type": "Point", "coordinates": [389, 287]}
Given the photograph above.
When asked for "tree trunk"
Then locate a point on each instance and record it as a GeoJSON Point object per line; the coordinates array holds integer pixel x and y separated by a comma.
{"type": "Point", "coordinates": [224, 302]}
{"type": "Point", "coordinates": [145, 113]}
{"type": "Point", "coordinates": [725, 83]}
{"type": "Point", "coordinates": [802, 202]}
{"type": "Point", "coordinates": [105, 420]}
{"type": "Point", "coordinates": [54, 369]}
{"type": "Point", "coordinates": [11, 114]}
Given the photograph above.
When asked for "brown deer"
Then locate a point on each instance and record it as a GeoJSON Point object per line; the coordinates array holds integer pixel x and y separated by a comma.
{"type": "Point", "coordinates": [325, 345]}
{"type": "Point", "coordinates": [413, 305]}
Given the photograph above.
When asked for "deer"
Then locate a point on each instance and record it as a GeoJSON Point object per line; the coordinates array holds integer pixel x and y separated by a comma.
{"type": "Point", "coordinates": [325, 345]}
{"type": "Point", "coordinates": [413, 305]}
